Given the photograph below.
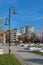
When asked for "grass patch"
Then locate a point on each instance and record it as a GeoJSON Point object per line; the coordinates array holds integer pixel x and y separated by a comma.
{"type": "Point", "coordinates": [7, 59]}
{"type": "Point", "coordinates": [40, 53]}
{"type": "Point", "coordinates": [35, 46]}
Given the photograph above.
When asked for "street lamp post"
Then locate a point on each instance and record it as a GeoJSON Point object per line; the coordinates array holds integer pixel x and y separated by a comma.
{"type": "Point", "coordinates": [9, 33]}
{"type": "Point", "coordinates": [10, 9]}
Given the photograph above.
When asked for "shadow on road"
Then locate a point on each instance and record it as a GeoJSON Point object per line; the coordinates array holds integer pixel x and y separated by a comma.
{"type": "Point", "coordinates": [23, 50]}
{"type": "Point", "coordinates": [34, 60]}
{"type": "Point", "coordinates": [27, 51]}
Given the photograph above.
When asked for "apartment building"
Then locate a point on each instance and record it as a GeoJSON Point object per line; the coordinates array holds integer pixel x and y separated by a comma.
{"type": "Point", "coordinates": [27, 29]}
{"type": "Point", "coordinates": [13, 35]}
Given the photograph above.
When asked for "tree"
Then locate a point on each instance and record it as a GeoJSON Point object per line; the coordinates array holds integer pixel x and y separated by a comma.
{"type": "Point", "coordinates": [33, 37]}
{"type": "Point", "coordinates": [24, 38]}
{"type": "Point", "coordinates": [21, 38]}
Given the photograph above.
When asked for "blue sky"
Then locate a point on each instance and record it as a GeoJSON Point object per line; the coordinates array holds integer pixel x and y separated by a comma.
{"type": "Point", "coordinates": [29, 12]}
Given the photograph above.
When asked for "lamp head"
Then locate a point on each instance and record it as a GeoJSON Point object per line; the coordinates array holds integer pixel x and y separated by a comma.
{"type": "Point", "coordinates": [14, 12]}
{"type": "Point", "coordinates": [6, 23]}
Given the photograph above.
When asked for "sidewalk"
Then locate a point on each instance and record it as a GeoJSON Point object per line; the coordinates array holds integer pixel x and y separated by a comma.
{"type": "Point", "coordinates": [30, 61]}
{"type": "Point", "coordinates": [27, 58]}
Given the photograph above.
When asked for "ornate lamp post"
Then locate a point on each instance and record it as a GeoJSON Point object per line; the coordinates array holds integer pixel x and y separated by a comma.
{"type": "Point", "coordinates": [14, 12]}
{"type": "Point", "coordinates": [8, 19]}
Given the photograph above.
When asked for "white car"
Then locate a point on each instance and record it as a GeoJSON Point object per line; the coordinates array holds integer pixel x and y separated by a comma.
{"type": "Point", "coordinates": [21, 44]}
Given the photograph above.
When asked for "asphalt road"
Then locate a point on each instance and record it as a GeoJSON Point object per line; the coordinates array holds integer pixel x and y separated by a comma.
{"type": "Point", "coordinates": [25, 57]}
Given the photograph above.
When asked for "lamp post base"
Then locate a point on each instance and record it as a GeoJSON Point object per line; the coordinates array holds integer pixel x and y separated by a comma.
{"type": "Point", "coordinates": [9, 49]}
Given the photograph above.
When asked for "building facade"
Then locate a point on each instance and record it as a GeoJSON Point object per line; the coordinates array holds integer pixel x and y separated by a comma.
{"type": "Point", "coordinates": [13, 35]}
{"type": "Point", "coordinates": [27, 29]}
{"type": "Point", "coordinates": [3, 37]}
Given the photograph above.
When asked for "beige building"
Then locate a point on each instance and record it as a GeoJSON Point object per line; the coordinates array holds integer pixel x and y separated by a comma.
{"type": "Point", "coordinates": [12, 35]}
{"type": "Point", "coordinates": [2, 37]}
